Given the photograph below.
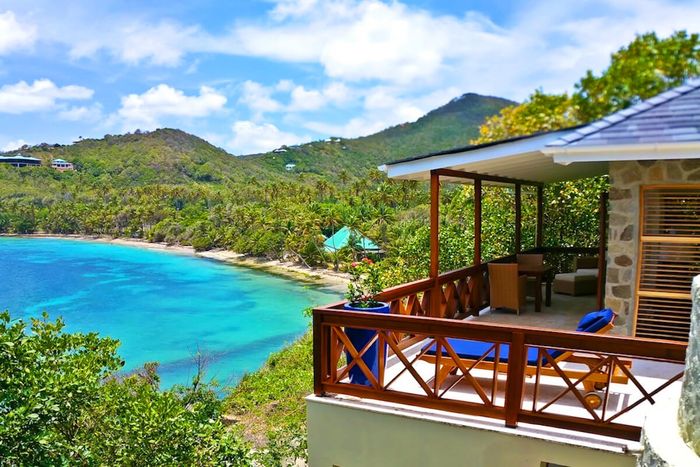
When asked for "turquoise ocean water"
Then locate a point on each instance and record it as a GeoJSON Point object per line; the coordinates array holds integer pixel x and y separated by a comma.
{"type": "Point", "coordinates": [162, 306]}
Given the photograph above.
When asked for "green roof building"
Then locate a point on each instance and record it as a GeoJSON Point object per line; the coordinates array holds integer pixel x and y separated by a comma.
{"type": "Point", "coordinates": [341, 239]}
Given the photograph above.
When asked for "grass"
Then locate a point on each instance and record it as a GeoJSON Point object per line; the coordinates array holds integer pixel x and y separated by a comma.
{"type": "Point", "coordinates": [270, 401]}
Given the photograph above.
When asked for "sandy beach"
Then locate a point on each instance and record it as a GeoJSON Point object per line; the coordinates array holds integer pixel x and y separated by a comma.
{"type": "Point", "coordinates": [323, 277]}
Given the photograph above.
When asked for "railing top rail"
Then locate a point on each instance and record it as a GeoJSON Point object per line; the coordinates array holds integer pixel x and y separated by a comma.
{"type": "Point", "coordinates": [402, 290]}
{"type": "Point", "coordinates": [649, 349]}
{"type": "Point", "coordinates": [460, 273]}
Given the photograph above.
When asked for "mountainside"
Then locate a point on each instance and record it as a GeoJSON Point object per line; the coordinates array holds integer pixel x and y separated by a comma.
{"type": "Point", "coordinates": [449, 126]}
{"type": "Point", "coordinates": [172, 156]}
{"type": "Point", "coordinates": [161, 156]}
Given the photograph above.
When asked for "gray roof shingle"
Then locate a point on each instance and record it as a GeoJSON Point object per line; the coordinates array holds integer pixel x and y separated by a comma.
{"type": "Point", "coordinates": [670, 117]}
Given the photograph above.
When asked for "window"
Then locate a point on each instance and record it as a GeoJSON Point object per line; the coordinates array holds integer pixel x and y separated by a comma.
{"type": "Point", "coordinates": [669, 258]}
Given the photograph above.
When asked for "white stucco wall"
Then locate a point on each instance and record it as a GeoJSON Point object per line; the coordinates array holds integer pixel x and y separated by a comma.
{"type": "Point", "coordinates": [347, 436]}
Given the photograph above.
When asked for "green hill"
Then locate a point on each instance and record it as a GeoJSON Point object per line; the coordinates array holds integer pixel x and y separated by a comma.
{"type": "Point", "coordinates": [161, 156]}
{"type": "Point", "coordinates": [451, 125]}
{"type": "Point", "coordinates": [170, 156]}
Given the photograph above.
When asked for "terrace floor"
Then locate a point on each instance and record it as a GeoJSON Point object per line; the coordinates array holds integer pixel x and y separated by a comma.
{"type": "Point", "coordinates": [564, 313]}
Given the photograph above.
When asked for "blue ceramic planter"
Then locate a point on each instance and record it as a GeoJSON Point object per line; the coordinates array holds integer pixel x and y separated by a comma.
{"type": "Point", "coordinates": [360, 338]}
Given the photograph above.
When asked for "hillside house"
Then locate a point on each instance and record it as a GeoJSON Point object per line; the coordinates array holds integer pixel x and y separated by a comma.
{"type": "Point", "coordinates": [61, 165]}
{"type": "Point", "coordinates": [19, 160]}
{"type": "Point", "coordinates": [429, 404]}
{"type": "Point", "coordinates": [290, 167]}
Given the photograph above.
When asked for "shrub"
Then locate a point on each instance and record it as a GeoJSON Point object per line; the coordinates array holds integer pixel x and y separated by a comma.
{"type": "Point", "coordinates": [61, 402]}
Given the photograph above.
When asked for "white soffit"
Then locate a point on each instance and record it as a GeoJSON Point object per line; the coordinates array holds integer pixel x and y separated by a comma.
{"type": "Point", "coordinates": [522, 159]}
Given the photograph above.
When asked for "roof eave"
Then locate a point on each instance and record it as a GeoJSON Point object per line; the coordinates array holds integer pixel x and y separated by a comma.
{"type": "Point", "coordinates": [405, 169]}
{"type": "Point", "coordinates": [566, 155]}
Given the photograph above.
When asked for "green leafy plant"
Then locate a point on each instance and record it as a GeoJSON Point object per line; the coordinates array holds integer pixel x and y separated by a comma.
{"type": "Point", "coordinates": [365, 283]}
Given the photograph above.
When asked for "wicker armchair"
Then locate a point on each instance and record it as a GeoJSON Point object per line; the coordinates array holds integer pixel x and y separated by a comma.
{"type": "Point", "coordinates": [506, 287]}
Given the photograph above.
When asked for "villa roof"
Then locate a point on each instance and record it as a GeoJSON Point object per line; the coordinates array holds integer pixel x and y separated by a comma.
{"type": "Point", "coordinates": [670, 117]}
{"type": "Point", "coordinates": [20, 157]}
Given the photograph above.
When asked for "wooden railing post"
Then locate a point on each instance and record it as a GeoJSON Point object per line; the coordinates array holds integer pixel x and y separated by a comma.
{"type": "Point", "coordinates": [515, 382]}
{"type": "Point", "coordinates": [436, 295]}
{"type": "Point", "coordinates": [320, 352]}
{"type": "Point", "coordinates": [540, 217]}
{"type": "Point", "coordinates": [478, 194]}
{"type": "Point", "coordinates": [518, 219]}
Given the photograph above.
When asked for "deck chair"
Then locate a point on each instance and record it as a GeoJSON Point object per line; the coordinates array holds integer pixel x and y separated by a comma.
{"type": "Point", "coordinates": [482, 355]}
{"type": "Point", "coordinates": [534, 260]}
{"type": "Point", "coordinates": [506, 287]}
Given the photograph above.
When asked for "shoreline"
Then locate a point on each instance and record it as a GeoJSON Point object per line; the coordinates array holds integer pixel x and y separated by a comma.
{"type": "Point", "coordinates": [323, 277]}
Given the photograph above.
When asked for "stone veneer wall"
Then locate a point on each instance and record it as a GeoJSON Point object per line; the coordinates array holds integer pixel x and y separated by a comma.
{"type": "Point", "coordinates": [623, 236]}
{"type": "Point", "coordinates": [671, 433]}
{"type": "Point", "coordinates": [689, 406]}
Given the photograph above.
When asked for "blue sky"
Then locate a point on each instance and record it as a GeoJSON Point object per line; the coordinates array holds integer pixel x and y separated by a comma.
{"type": "Point", "coordinates": [250, 76]}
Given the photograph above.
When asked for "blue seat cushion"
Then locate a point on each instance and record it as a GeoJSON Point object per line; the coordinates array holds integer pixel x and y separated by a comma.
{"type": "Point", "coordinates": [473, 350]}
{"type": "Point", "coordinates": [595, 320]}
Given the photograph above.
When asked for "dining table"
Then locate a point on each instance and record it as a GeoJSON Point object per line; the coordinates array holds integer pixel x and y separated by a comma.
{"type": "Point", "coordinates": [541, 273]}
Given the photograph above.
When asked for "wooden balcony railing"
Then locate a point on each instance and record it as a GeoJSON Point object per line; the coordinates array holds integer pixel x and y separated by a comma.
{"type": "Point", "coordinates": [604, 393]}
{"type": "Point", "coordinates": [463, 292]}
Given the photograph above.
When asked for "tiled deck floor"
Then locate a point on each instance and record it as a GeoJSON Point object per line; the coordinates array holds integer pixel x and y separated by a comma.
{"type": "Point", "coordinates": [564, 313]}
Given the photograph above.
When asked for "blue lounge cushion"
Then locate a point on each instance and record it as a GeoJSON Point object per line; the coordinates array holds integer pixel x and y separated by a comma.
{"type": "Point", "coordinates": [473, 350]}
{"type": "Point", "coordinates": [595, 320]}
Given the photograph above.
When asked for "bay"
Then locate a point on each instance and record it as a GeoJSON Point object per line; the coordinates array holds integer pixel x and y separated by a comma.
{"type": "Point", "coordinates": [162, 306]}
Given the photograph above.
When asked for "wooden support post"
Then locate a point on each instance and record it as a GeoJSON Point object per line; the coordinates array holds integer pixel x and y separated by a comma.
{"type": "Point", "coordinates": [477, 221]}
{"type": "Point", "coordinates": [540, 216]}
{"type": "Point", "coordinates": [435, 296]}
{"type": "Point", "coordinates": [602, 243]}
{"type": "Point", "coordinates": [477, 280]}
{"type": "Point", "coordinates": [518, 219]}
{"type": "Point", "coordinates": [515, 384]}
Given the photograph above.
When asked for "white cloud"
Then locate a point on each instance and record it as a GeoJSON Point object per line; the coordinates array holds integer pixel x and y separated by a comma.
{"type": "Point", "coordinates": [15, 35]}
{"type": "Point", "coordinates": [12, 145]}
{"type": "Point", "coordinates": [549, 44]}
{"type": "Point", "coordinates": [164, 43]}
{"type": "Point", "coordinates": [250, 137]}
{"type": "Point", "coordinates": [303, 99]}
{"type": "Point", "coordinates": [81, 113]}
{"type": "Point", "coordinates": [146, 110]}
{"type": "Point", "coordinates": [258, 98]}
{"type": "Point", "coordinates": [292, 8]}
{"type": "Point", "coordinates": [544, 43]}
{"type": "Point", "coordinates": [306, 100]}
{"type": "Point", "coordinates": [42, 94]}
{"type": "Point", "coordinates": [261, 99]}
{"type": "Point", "coordinates": [284, 85]}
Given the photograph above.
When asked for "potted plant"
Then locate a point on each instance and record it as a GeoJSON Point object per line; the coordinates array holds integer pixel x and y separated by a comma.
{"type": "Point", "coordinates": [365, 284]}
